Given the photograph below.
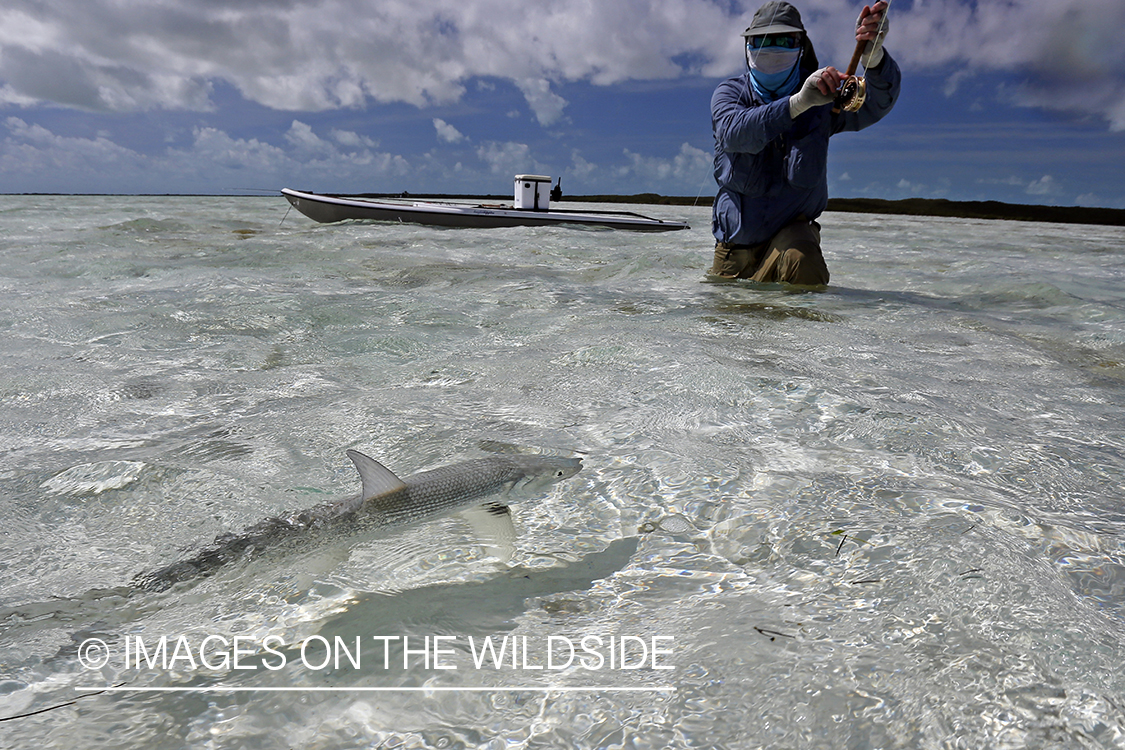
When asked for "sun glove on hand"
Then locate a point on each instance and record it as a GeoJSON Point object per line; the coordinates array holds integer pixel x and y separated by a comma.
{"type": "Point", "coordinates": [809, 96]}
{"type": "Point", "coordinates": [873, 54]}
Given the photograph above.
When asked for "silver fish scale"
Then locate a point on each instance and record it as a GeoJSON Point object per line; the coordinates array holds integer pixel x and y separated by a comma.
{"type": "Point", "coordinates": [453, 486]}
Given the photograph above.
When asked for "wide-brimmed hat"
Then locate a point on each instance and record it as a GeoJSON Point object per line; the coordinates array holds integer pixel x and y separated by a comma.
{"type": "Point", "coordinates": [775, 18]}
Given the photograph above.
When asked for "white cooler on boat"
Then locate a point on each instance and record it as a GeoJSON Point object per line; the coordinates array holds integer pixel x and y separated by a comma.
{"type": "Point", "coordinates": [533, 191]}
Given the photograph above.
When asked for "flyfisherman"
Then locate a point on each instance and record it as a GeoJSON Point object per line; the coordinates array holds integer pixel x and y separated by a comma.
{"type": "Point", "coordinates": [772, 126]}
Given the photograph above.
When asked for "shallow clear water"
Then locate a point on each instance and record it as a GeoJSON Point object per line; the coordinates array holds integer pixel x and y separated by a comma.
{"type": "Point", "coordinates": [888, 515]}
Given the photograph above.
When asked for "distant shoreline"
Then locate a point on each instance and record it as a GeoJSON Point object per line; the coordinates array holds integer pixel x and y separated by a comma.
{"type": "Point", "coordinates": [981, 210]}
{"type": "Point", "coordinates": [938, 207]}
{"type": "Point", "coordinates": [915, 207]}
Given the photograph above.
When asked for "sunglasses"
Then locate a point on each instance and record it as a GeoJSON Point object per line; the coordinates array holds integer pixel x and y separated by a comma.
{"type": "Point", "coordinates": [785, 41]}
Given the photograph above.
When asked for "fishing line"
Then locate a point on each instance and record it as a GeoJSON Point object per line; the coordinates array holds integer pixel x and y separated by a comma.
{"type": "Point", "coordinates": [702, 186]}
{"type": "Point", "coordinates": [112, 689]}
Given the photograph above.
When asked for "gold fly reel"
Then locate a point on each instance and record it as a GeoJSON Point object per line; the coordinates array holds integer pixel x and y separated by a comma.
{"type": "Point", "coordinates": [853, 91]}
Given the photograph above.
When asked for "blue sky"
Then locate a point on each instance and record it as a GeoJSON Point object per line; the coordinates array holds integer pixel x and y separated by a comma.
{"type": "Point", "coordinates": [1020, 101]}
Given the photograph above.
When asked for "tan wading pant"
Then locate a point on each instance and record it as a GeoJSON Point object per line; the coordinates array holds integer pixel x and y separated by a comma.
{"type": "Point", "coordinates": [792, 256]}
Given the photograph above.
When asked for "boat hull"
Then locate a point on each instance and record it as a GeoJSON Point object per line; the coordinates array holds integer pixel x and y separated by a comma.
{"type": "Point", "coordinates": [330, 209]}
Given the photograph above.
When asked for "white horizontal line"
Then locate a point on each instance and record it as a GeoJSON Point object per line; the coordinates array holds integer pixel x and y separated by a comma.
{"type": "Point", "coordinates": [520, 688]}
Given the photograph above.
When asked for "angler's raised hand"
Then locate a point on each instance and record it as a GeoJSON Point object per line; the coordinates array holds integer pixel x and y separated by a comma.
{"type": "Point", "coordinates": [866, 30]}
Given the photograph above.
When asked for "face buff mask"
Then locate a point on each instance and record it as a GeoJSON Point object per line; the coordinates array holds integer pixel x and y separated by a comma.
{"type": "Point", "coordinates": [774, 72]}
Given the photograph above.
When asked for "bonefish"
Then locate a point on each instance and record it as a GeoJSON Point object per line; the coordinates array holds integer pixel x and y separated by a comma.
{"type": "Point", "coordinates": [385, 501]}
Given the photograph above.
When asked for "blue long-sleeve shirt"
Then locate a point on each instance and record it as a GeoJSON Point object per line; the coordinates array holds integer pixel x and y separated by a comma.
{"type": "Point", "coordinates": [770, 168]}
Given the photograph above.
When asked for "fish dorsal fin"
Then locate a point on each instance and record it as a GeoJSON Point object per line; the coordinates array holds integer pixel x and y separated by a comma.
{"type": "Point", "coordinates": [492, 523]}
{"type": "Point", "coordinates": [377, 479]}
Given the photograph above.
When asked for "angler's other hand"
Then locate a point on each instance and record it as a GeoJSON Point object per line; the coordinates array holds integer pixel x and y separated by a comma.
{"type": "Point", "coordinates": [818, 89]}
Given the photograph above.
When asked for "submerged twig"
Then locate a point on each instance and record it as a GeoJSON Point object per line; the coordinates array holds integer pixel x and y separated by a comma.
{"type": "Point", "coordinates": [773, 634]}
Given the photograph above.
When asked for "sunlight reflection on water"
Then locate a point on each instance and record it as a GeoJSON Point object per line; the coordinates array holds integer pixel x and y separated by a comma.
{"type": "Point", "coordinates": [885, 515]}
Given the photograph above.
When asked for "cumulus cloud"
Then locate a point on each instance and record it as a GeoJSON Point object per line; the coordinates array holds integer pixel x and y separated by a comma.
{"type": "Point", "coordinates": [546, 104]}
{"type": "Point", "coordinates": [689, 165]}
{"type": "Point", "coordinates": [354, 140]}
{"type": "Point", "coordinates": [446, 132]}
{"type": "Point", "coordinates": [580, 167]}
{"type": "Point", "coordinates": [1045, 185]}
{"type": "Point", "coordinates": [508, 158]}
{"type": "Point", "coordinates": [1010, 180]}
{"type": "Point", "coordinates": [214, 147]}
{"type": "Point", "coordinates": [212, 159]}
{"type": "Point", "coordinates": [910, 189]}
{"type": "Point", "coordinates": [9, 95]}
{"type": "Point", "coordinates": [324, 54]}
{"type": "Point", "coordinates": [32, 147]}
{"type": "Point", "coordinates": [1067, 52]}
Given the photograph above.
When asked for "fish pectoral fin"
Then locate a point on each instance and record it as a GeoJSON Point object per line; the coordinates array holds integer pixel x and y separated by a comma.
{"type": "Point", "coordinates": [492, 523]}
{"type": "Point", "coordinates": [377, 479]}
